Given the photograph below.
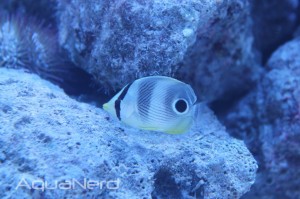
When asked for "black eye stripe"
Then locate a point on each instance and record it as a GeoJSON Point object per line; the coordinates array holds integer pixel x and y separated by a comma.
{"type": "Point", "coordinates": [118, 101]}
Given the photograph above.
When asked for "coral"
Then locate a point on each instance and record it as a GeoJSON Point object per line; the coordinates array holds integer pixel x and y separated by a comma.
{"type": "Point", "coordinates": [269, 122]}
{"type": "Point", "coordinates": [24, 44]}
{"type": "Point", "coordinates": [205, 43]}
{"type": "Point", "coordinates": [46, 135]}
{"type": "Point", "coordinates": [27, 43]}
{"type": "Point", "coordinates": [44, 10]}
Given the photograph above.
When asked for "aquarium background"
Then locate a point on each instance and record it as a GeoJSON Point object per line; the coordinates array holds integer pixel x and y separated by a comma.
{"type": "Point", "coordinates": [61, 60]}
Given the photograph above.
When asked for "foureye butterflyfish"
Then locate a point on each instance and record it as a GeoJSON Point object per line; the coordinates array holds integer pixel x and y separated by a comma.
{"type": "Point", "coordinates": [156, 103]}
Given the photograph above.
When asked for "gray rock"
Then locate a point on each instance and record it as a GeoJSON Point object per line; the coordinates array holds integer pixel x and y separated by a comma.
{"type": "Point", "coordinates": [47, 136]}
{"type": "Point", "coordinates": [269, 122]}
{"type": "Point", "coordinates": [205, 43]}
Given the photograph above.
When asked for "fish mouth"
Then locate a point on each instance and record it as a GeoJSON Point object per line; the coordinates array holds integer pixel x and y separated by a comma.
{"type": "Point", "coordinates": [105, 106]}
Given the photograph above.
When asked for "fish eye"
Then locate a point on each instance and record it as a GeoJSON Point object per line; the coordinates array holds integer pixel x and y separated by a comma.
{"type": "Point", "coordinates": [181, 106]}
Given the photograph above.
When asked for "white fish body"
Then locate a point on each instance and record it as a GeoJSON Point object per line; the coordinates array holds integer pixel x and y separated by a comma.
{"type": "Point", "coordinates": [156, 103]}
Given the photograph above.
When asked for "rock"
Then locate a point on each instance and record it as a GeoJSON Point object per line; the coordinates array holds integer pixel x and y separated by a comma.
{"type": "Point", "coordinates": [280, 18]}
{"type": "Point", "coordinates": [207, 44]}
{"type": "Point", "coordinates": [47, 137]}
{"type": "Point", "coordinates": [269, 122]}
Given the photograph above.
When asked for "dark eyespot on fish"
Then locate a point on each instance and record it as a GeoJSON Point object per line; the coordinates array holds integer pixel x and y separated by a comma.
{"type": "Point", "coordinates": [155, 103]}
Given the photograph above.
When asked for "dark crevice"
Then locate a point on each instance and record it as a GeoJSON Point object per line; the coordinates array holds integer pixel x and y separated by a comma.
{"type": "Point", "coordinates": [282, 19]}
{"type": "Point", "coordinates": [165, 185]}
{"type": "Point", "coordinates": [224, 104]}
{"type": "Point", "coordinates": [77, 83]}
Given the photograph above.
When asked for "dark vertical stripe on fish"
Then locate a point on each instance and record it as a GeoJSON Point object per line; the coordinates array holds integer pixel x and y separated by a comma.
{"type": "Point", "coordinates": [118, 101]}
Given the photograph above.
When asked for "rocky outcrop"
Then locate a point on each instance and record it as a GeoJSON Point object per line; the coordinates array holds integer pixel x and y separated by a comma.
{"type": "Point", "coordinates": [47, 137]}
{"type": "Point", "coordinates": [205, 43]}
{"type": "Point", "coordinates": [269, 122]}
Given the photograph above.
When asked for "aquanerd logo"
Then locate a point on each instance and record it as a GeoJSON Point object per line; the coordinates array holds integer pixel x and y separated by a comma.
{"type": "Point", "coordinates": [70, 184]}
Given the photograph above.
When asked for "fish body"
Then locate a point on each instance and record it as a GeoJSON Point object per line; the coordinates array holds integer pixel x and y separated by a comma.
{"type": "Point", "coordinates": [156, 103]}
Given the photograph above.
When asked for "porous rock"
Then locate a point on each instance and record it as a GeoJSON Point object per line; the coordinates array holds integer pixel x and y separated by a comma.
{"type": "Point", "coordinates": [205, 43]}
{"type": "Point", "coordinates": [269, 122]}
{"type": "Point", "coordinates": [47, 136]}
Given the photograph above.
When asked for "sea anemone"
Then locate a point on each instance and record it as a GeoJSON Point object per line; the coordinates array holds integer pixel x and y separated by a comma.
{"type": "Point", "coordinates": [25, 43]}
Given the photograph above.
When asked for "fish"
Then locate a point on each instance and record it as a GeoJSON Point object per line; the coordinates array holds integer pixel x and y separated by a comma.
{"type": "Point", "coordinates": [155, 103]}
